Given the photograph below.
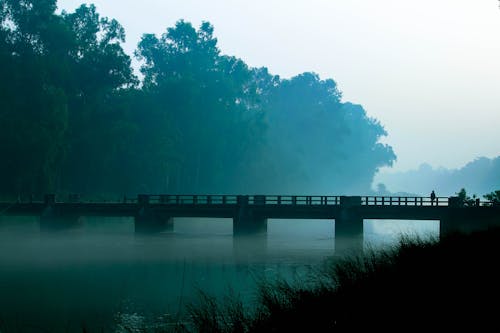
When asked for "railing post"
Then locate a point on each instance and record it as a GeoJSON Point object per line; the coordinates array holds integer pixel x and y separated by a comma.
{"type": "Point", "coordinates": [279, 199]}
{"type": "Point", "coordinates": [49, 199]}
{"type": "Point", "coordinates": [73, 198]}
{"type": "Point", "coordinates": [259, 200]}
{"type": "Point", "coordinates": [242, 199]}
{"type": "Point", "coordinates": [143, 199]}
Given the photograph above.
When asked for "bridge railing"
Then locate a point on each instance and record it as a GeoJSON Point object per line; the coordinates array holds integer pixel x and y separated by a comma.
{"type": "Point", "coordinates": [293, 200]}
{"type": "Point", "coordinates": [302, 200]}
{"type": "Point", "coordinates": [403, 201]}
{"type": "Point", "coordinates": [193, 199]}
{"type": "Point", "coordinates": [235, 199]}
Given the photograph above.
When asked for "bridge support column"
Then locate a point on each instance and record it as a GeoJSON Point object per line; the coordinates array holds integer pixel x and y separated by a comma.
{"type": "Point", "coordinates": [449, 222]}
{"type": "Point", "coordinates": [349, 227]}
{"type": "Point", "coordinates": [54, 219]}
{"type": "Point", "coordinates": [245, 222]}
{"type": "Point", "coordinates": [249, 233]}
{"type": "Point", "coordinates": [150, 221]}
{"type": "Point", "coordinates": [468, 219]}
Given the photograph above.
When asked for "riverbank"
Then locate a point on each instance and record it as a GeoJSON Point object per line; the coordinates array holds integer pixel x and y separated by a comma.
{"type": "Point", "coordinates": [418, 284]}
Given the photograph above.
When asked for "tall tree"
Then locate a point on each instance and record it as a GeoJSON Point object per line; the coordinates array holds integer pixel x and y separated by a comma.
{"type": "Point", "coordinates": [33, 106]}
{"type": "Point", "coordinates": [208, 98]}
{"type": "Point", "coordinates": [99, 70]}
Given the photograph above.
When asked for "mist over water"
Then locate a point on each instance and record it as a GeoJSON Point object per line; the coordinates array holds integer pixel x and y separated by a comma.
{"type": "Point", "coordinates": [102, 274]}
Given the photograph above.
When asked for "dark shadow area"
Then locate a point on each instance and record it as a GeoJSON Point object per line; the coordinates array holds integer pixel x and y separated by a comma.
{"type": "Point", "coordinates": [418, 285]}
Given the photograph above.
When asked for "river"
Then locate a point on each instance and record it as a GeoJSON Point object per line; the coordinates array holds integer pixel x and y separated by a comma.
{"type": "Point", "coordinates": [102, 277]}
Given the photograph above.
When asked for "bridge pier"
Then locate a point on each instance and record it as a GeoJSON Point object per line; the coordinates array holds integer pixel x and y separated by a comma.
{"type": "Point", "coordinates": [249, 232]}
{"type": "Point", "coordinates": [150, 221]}
{"type": "Point", "coordinates": [53, 219]}
{"type": "Point", "coordinates": [349, 226]}
{"type": "Point", "coordinates": [467, 219]}
{"type": "Point", "coordinates": [245, 222]}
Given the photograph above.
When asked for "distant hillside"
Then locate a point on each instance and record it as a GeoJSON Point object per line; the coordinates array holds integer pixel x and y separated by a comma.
{"type": "Point", "coordinates": [479, 177]}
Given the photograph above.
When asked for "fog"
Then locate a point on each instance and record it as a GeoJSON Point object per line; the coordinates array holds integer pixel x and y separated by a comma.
{"type": "Point", "coordinates": [480, 176]}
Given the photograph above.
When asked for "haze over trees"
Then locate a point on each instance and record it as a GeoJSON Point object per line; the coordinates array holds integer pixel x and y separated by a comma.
{"type": "Point", "coordinates": [75, 118]}
{"type": "Point", "coordinates": [479, 177]}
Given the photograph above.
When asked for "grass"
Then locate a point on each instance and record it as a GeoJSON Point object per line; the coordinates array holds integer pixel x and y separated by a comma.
{"type": "Point", "coordinates": [417, 285]}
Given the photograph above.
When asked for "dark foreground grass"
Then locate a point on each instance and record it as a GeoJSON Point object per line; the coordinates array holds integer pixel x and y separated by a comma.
{"type": "Point", "coordinates": [419, 285]}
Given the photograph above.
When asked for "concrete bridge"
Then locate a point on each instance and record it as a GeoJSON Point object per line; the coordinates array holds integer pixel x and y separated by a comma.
{"type": "Point", "coordinates": [156, 213]}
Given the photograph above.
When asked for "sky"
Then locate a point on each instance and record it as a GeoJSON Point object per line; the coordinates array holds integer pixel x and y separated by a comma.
{"type": "Point", "coordinates": [428, 70]}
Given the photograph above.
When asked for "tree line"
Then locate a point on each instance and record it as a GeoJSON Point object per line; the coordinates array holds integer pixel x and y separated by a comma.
{"type": "Point", "coordinates": [482, 175]}
{"type": "Point", "coordinates": [74, 118]}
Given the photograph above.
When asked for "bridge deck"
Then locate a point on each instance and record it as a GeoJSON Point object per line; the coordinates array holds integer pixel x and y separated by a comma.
{"type": "Point", "coordinates": [264, 206]}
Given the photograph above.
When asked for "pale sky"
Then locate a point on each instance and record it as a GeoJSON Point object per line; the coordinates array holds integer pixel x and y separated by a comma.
{"type": "Point", "coordinates": [429, 70]}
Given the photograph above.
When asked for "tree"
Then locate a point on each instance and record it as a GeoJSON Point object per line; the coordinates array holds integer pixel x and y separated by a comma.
{"type": "Point", "coordinates": [465, 199]}
{"type": "Point", "coordinates": [33, 105]}
{"type": "Point", "coordinates": [60, 73]}
{"type": "Point", "coordinates": [74, 118]}
{"type": "Point", "coordinates": [319, 143]}
{"type": "Point", "coordinates": [99, 72]}
{"type": "Point", "coordinates": [208, 99]}
{"type": "Point", "coordinates": [493, 197]}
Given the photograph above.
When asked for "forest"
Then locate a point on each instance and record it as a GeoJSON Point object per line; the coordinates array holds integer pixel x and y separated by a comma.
{"type": "Point", "coordinates": [75, 117]}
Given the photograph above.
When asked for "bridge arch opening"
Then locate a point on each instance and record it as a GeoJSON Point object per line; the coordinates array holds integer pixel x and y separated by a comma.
{"type": "Point", "coordinates": [382, 233]}
{"type": "Point", "coordinates": [300, 237]}
{"type": "Point", "coordinates": [203, 226]}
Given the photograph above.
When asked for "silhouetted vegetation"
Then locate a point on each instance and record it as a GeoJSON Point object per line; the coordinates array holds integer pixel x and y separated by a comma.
{"type": "Point", "coordinates": [420, 285]}
{"type": "Point", "coordinates": [75, 119]}
{"type": "Point", "coordinates": [494, 197]}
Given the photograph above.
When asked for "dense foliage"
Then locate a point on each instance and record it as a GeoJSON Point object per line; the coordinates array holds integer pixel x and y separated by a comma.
{"type": "Point", "coordinates": [75, 118]}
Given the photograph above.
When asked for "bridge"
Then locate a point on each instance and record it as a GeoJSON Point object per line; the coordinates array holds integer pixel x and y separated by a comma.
{"type": "Point", "coordinates": [250, 213]}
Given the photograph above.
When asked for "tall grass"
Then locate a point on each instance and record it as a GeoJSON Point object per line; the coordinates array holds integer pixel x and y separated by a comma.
{"type": "Point", "coordinates": [416, 285]}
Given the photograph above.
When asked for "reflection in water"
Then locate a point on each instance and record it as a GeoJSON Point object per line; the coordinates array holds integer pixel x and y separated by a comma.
{"type": "Point", "coordinates": [103, 277]}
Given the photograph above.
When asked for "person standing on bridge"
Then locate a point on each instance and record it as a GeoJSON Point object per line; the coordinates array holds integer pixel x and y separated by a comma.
{"type": "Point", "coordinates": [433, 197]}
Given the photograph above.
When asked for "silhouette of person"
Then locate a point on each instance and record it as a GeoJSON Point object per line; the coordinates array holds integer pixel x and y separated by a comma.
{"type": "Point", "coordinates": [433, 197]}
